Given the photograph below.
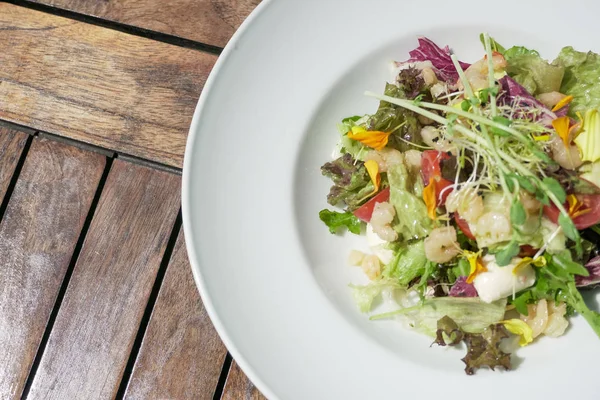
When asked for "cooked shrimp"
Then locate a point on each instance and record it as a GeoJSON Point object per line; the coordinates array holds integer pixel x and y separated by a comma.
{"type": "Point", "coordinates": [383, 215]}
{"type": "Point", "coordinates": [371, 266]}
{"type": "Point", "coordinates": [384, 158]}
{"type": "Point", "coordinates": [550, 99]}
{"type": "Point", "coordinates": [441, 245]}
{"type": "Point", "coordinates": [477, 73]}
{"type": "Point", "coordinates": [467, 202]}
{"type": "Point", "coordinates": [568, 158]}
{"type": "Point", "coordinates": [429, 76]}
{"type": "Point", "coordinates": [492, 227]}
{"type": "Point", "coordinates": [431, 136]}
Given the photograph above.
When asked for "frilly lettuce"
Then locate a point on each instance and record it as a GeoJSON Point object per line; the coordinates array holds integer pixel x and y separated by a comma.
{"type": "Point", "coordinates": [411, 211]}
{"type": "Point", "coordinates": [532, 71]}
{"type": "Point", "coordinates": [581, 78]}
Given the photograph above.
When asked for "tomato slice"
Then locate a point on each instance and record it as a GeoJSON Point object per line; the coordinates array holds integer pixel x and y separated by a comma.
{"type": "Point", "coordinates": [430, 168]}
{"type": "Point", "coordinates": [527, 251]}
{"type": "Point", "coordinates": [365, 211]}
{"type": "Point", "coordinates": [590, 218]}
{"type": "Point", "coordinates": [464, 226]}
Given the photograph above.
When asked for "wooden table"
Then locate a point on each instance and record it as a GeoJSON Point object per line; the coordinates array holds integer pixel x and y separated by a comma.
{"type": "Point", "coordinates": [97, 299]}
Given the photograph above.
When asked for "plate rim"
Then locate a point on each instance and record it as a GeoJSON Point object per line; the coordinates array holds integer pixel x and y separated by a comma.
{"type": "Point", "coordinates": [185, 203]}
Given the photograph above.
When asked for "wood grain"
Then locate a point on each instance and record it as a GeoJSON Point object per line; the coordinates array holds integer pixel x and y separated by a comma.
{"type": "Point", "coordinates": [207, 21]}
{"type": "Point", "coordinates": [96, 325]}
{"type": "Point", "coordinates": [11, 147]}
{"type": "Point", "coordinates": [122, 92]}
{"type": "Point", "coordinates": [181, 356]}
{"type": "Point", "coordinates": [38, 234]}
{"type": "Point", "coordinates": [239, 387]}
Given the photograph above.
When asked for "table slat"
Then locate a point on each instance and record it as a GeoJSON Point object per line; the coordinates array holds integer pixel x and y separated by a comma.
{"type": "Point", "coordinates": [181, 356]}
{"type": "Point", "coordinates": [239, 387]}
{"type": "Point", "coordinates": [96, 326]}
{"type": "Point", "coordinates": [38, 234]}
{"type": "Point", "coordinates": [11, 147]}
{"type": "Point", "coordinates": [118, 91]}
{"type": "Point", "coordinates": [208, 21]}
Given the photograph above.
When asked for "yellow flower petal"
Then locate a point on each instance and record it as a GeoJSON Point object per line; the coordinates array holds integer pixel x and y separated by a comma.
{"type": "Point", "coordinates": [561, 126]}
{"type": "Point", "coordinates": [541, 138]}
{"type": "Point", "coordinates": [373, 171]}
{"type": "Point", "coordinates": [563, 102]}
{"type": "Point", "coordinates": [538, 262]}
{"type": "Point", "coordinates": [374, 139]}
{"type": "Point", "coordinates": [520, 328]}
{"type": "Point", "coordinates": [430, 199]}
{"type": "Point", "coordinates": [475, 263]}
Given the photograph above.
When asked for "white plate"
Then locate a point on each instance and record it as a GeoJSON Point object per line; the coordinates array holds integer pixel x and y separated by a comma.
{"type": "Point", "coordinates": [272, 278]}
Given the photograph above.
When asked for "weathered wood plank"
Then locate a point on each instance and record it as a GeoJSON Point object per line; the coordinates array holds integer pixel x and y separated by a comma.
{"type": "Point", "coordinates": [181, 356]}
{"type": "Point", "coordinates": [122, 92]}
{"type": "Point", "coordinates": [239, 387]}
{"type": "Point", "coordinates": [11, 147]}
{"type": "Point", "coordinates": [38, 234]}
{"type": "Point", "coordinates": [97, 323]}
{"type": "Point", "coordinates": [207, 21]}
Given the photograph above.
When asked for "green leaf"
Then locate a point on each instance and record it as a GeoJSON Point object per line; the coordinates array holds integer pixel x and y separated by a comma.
{"type": "Point", "coordinates": [525, 183]}
{"type": "Point", "coordinates": [518, 216]}
{"type": "Point", "coordinates": [336, 220]}
{"type": "Point", "coordinates": [580, 79]}
{"type": "Point", "coordinates": [532, 72]}
{"type": "Point", "coordinates": [567, 225]}
{"type": "Point", "coordinates": [504, 256]}
{"type": "Point", "coordinates": [541, 195]}
{"type": "Point", "coordinates": [521, 301]}
{"type": "Point", "coordinates": [564, 261]}
{"type": "Point", "coordinates": [556, 189]}
{"type": "Point", "coordinates": [465, 105]}
{"type": "Point", "coordinates": [493, 44]}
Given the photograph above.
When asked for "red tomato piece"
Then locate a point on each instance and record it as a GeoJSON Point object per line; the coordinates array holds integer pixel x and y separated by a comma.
{"type": "Point", "coordinates": [430, 168]}
{"type": "Point", "coordinates": [590, 202]}
{"type": "Point", "coordinates": [365, 211]}
{"type": "Point", "coordinates": [464, 226]}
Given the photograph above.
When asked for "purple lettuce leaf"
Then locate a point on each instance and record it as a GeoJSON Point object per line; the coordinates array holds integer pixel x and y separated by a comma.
{"type": "Point", "coordinates": [514, 95]}
{"type": "Point", "coordinates": [462, 289]}
{"type": "Point", "coordinates": [439, 58]}
{"type": "Point", "coordinates": [593, 266]}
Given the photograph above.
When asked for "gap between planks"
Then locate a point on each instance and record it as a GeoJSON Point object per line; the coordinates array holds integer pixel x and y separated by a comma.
{"type": "Point", "coordinates": [121, 27]}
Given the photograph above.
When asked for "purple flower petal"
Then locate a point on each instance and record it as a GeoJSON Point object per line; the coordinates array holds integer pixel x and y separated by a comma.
{"type": "Point", "coordinates": [462, 289]}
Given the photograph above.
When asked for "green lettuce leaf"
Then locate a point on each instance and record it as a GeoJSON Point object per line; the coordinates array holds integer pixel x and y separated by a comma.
{"type": "Point", "coordinates": [403, 124]}
{"type": "Point", "coordinates": [411, 211]}
{"type": "Point", "coordinates": [354, 147]}
{"type": "Point", "coordinates": [408, 263]}
{"type": "Point", "coordinates": [365, 295]}
{"type": "Point", "coordinates": [582, 78]}
{"type": "Point", "coordinates": [336, 220]}
{"type": "Point", "coordinates": [533, 72]}
{"type": "Point", "coordinates": [470, 313]}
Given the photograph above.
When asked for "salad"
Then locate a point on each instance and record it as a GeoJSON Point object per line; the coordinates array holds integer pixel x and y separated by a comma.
{"type": "Point", "coordinates": [478, 188]}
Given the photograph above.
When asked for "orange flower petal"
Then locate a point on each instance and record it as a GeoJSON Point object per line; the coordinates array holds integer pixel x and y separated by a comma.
{"type": "Point", "coordinates": [563, 102]}
{"type": "Point", "coordinates": [576, 208]}
{"type": "Point", "coordinates": [375, 139]}
{"type": "Point", "coordinates": [430, 199]}
{"type": "Point", "coordinates": [373, 171]}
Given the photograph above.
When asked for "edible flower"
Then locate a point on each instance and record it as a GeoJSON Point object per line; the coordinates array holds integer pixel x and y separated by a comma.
{"type": "Point", "coordinates": [588, 140]}
{"type": "Point", "coordinates": [564, 129]}
{"type": "Point", "coordinates": [476, 264]}
{"type": "Point", "coordinates": [563, 102]}
{"type": "Point", "coordinates": [375, 139]}
{"type": "Point", "coordinates": [519, 328]}
{"type": "Point", "coordinates": [538, 262]}
{"type": "Point", "coordinates": [429, 198]}
{"type": "Point", "coordinates": [373, 171]}
{"type": "Point", "coordinates": [576, 207]}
